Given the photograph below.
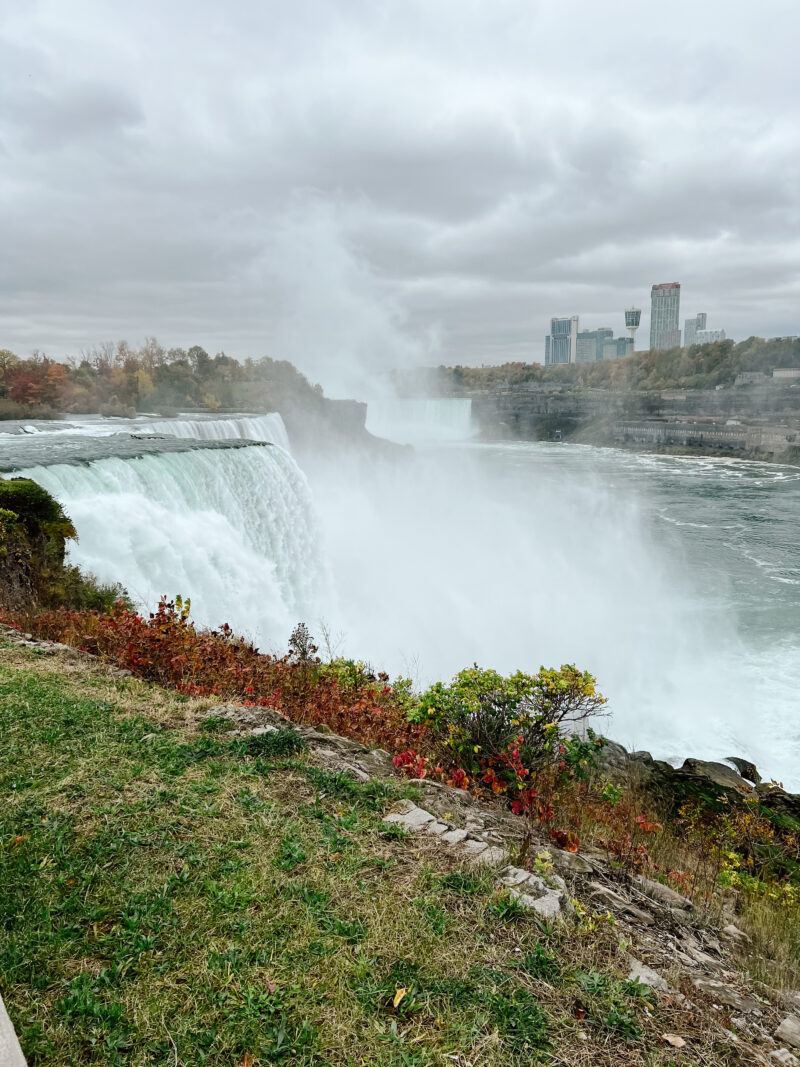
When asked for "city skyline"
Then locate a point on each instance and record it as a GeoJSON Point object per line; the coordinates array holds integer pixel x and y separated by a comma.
{"type": "Point", "coordinates": [576, 345]}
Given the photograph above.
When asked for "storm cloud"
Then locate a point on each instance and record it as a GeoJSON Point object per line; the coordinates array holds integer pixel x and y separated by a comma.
{"type": "Point", "coordinates": [362, 184]}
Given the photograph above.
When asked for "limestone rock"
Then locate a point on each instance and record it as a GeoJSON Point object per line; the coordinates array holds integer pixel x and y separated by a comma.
{"type": "Point", "coordinates": [662, 893]}
{"type": "Point", "coordinates": [745, 768]}
{"type": "Point", "coordinates": [377, 763]}
{"type": "Point", "coordinates": [613, 757]}
{"type": "Point", "coordinates": [472, 847]}
{"type": "Point", "coordinates": [571, 862]}
{"type": "Point", "coordinates": [412, 818]}
{"type": "Point", "coordinates": [779, 801]}
{"type": "Point", "coordinates": [605, 897]}
{"type": "Point", "coordinates": [640, 972]}
{"type": "Point", "coordinates": [725, 994]}
{"type": "Point", "coordinates": [716, 777]}
{"type": "Point", "coordinates": [735, 934]}
{"type": "Point", "coordinates": [10, 1051]}
{"type": "Point", "coordinates": [489, 856]}
{"type": "Point", "coordinates": [548, 906]}
{"type": "Point", "coordinates": [788, 1033]}
{"type": "Point", "coordinates": [791, 1000]}
{"type": "Point", "coordinates": [454, 837]}
{"type": "Point", "coordinates": [438, 829]}
{"type": "Point", "coordinates": [533, 892]}
{"type": "Point", "coordinates": [784, 1058]}
{"type": "Point", "coordinates": [514, 876]}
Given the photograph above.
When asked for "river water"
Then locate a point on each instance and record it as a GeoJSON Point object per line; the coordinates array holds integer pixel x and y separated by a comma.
{"type": "Point", "coordinates": [676, 581]}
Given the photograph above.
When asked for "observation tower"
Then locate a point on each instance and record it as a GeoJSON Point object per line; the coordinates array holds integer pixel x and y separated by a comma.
{"type": "Point", "coordinates": [633, 316]}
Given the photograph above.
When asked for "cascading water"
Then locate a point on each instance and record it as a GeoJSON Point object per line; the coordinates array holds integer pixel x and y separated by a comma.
{"type": "Point", "coordinates": [244, 427]}
{"type": "Point", "coordinates": [428, 419]}
{"type": "Point", "coordinates": [672, 580]}
{"type": "Point", "coordinates": [269, 428]}
{"type": "Point", "coordinates": [231, 528]}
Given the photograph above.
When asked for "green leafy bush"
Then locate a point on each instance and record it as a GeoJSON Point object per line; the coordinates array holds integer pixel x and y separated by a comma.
{"type": "Point", "coordinates": [483, 720]}
{"type": "Point", "coordinates": [33, 535]}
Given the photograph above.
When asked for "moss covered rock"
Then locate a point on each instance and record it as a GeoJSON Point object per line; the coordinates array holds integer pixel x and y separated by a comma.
{"type": "Point", "coordinates": [34, 531]}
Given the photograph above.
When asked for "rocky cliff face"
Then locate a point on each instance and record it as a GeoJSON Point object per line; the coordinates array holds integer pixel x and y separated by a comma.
{"type": "Point", "coordinates": [755, 422]}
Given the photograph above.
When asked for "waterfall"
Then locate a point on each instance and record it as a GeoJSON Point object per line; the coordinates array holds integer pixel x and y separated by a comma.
{"type": "Point", "coordinates": [234, 529]}
{"type": "Point", "coordinates": [247, 427]}
{"type": "Point", "coordinates": [430, 419]}
{"type": "Point", "coordinates": [269, 428]}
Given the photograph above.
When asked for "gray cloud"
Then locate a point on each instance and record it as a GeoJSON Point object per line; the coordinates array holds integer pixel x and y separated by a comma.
{"type": "Point", "coordinates": [355, 185]}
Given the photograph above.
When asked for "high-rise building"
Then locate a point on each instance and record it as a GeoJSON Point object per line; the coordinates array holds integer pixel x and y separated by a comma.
{"type": "Point", "coordinates": [600, 344]}
{"type": "Point", "coordinates": [691, 327]}
{"type": "Point", "coordinates": [616, 347]}
{"type": "Point", "coordinates": [590, 344]}
{"type": "Point", "coordinates": [561, 344]}
{"type": "Point", "coordinates": [665, 315]}
{"type": "Point", "coordinates": [695, 332]}
{"type": "Point", "coordinates": [704, 337]}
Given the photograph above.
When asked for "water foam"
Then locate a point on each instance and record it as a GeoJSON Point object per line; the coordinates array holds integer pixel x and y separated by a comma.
{"type": "Point", "coordinates": [233, 529]}
{"type": "Point", "coordinates": [243, 427]}
{"type": "Point", "coordinates": [269, 428]}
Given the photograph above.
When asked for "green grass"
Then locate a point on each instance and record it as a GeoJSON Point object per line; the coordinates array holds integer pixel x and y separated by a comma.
{"type": "Point", "coordinates": [173, 895]}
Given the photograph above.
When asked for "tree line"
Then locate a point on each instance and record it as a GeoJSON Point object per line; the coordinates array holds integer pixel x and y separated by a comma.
{"type": "Point", "coordinates": [697, 367]}
{"type": "Point", "coordinates": [118, 379]}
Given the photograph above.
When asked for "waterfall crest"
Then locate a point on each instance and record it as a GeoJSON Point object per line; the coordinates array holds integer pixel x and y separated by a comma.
{"type": "Point", "coordinates": [268, 428]}
{"type": "Point", "coordinates": [428, 419]}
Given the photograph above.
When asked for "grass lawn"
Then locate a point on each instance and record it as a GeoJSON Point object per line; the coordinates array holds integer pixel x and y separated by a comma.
{"type": "Point", "coordinates": [170, 895]}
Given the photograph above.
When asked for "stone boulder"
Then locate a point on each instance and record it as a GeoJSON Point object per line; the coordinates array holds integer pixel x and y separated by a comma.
{"type": "Point", "coordinates": [721, 993]}
{"type": "Point", "coordinates": [603, 896]}
{"type": "Point", "coordinates": [788, 1033]}
{"type": "Point", "coordinates": [779, 801]}
{"type": "Point", "coordinates": [662, 893]}
{"type": "Point", "coordinates": [640, 972]}
{"type": "Point", "coordinates": [747, 769]}
{"type": "Point", "coordinates": [708, 781]}
{"type": "Point", "coordinates": [784, 1058]}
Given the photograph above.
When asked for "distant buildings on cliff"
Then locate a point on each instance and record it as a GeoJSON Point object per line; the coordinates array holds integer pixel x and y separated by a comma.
{"type": "Point", "coordinates": [567, 343]}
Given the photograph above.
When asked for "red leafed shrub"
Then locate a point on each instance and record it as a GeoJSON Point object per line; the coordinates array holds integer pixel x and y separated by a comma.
{"type": "Point", "coordinates": [648, 827]}
{"type": "Point", "coordinates": [167, 648]}
{"type": "Point", "coordinates": [566, 839]}
{"type": "Point", "coordinates": [411, 763]}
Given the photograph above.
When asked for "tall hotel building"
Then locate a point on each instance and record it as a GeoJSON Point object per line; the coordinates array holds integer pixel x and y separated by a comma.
{"type": "Point", "coordinates": [561, 344]}
{"type": "Point", "coordinates": [665, 315]}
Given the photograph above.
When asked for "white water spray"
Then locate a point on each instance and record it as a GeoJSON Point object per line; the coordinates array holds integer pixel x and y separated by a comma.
{"type": "Point", "coordinates": [231, 528]}
{"type": "Point", "coordinates": [419, 421]}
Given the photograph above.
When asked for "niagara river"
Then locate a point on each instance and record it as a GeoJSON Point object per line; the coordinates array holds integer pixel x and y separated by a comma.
{"type": "Point", "coordinates": [674, 580]}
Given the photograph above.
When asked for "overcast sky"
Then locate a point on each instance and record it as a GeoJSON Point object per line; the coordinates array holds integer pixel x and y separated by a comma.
{"type": "Point", "coordinates": [353, 184]}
